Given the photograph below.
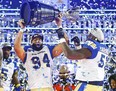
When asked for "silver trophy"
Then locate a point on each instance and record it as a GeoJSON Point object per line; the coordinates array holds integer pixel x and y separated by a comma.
{"type": "Point", "coordinates": [36, 13]}
{"type": "Point", "coordinates": [71, 14]}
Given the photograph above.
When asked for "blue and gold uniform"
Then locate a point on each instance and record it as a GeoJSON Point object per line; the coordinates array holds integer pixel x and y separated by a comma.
{"type": "Point", "coordinates": [90, 71]}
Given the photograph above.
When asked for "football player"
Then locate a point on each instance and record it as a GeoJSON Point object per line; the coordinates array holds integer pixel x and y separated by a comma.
{"type": "Point", "coordinates": [37, 59]}
{"type": "Point", "coordinates": [8, 74]}
{"type": "Point", "coordinates": [91, 57]}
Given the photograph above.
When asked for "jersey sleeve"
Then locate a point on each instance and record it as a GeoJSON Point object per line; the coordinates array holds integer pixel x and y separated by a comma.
{"type": "Point", "coordinates": [27, 48]}
{"type": "Point", "coordinates": [51, 48]}
{"type": "Point", "coordinates": [93, 47]}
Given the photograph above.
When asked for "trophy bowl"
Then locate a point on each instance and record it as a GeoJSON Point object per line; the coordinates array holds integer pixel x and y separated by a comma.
{"type": "Point", "coordinates": [35, 13]}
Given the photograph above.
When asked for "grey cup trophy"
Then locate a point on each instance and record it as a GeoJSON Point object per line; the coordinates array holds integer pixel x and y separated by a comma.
{"type": "Point", "coordinates": [36, 13]}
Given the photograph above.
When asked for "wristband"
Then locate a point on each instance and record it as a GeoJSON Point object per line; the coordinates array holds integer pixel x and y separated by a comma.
{"type": "Point", "coordinates": [23, 29]}
{"type": "Point", "coordinates": [62, 40]}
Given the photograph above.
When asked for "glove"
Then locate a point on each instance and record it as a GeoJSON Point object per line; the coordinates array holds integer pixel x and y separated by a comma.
{"type": "Point", "coordinates": [76, 40]}
{"type": "Point", "coordinates": [60, 33]}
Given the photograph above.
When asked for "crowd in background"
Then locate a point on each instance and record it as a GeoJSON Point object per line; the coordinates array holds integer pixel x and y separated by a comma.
{"type": "Point", "coordinates": [80, 28]}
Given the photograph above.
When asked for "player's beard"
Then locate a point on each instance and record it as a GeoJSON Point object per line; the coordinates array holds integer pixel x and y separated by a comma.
{"type": "Point", "coordinates": [37, 47]}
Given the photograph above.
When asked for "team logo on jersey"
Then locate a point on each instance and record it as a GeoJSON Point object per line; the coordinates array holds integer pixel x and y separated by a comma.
{"type": "Point", "coordinates": [38, 53]}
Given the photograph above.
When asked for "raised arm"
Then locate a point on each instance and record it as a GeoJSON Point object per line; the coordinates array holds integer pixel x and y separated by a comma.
{"type": "Point", "coordinates": [17, 43]}
{"type": "Point", "coordinates": [75, 54]}
{"type": "Point", "coordinates": [69, 53]}
{"type": "Point", "coordinates": [58, 48]}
